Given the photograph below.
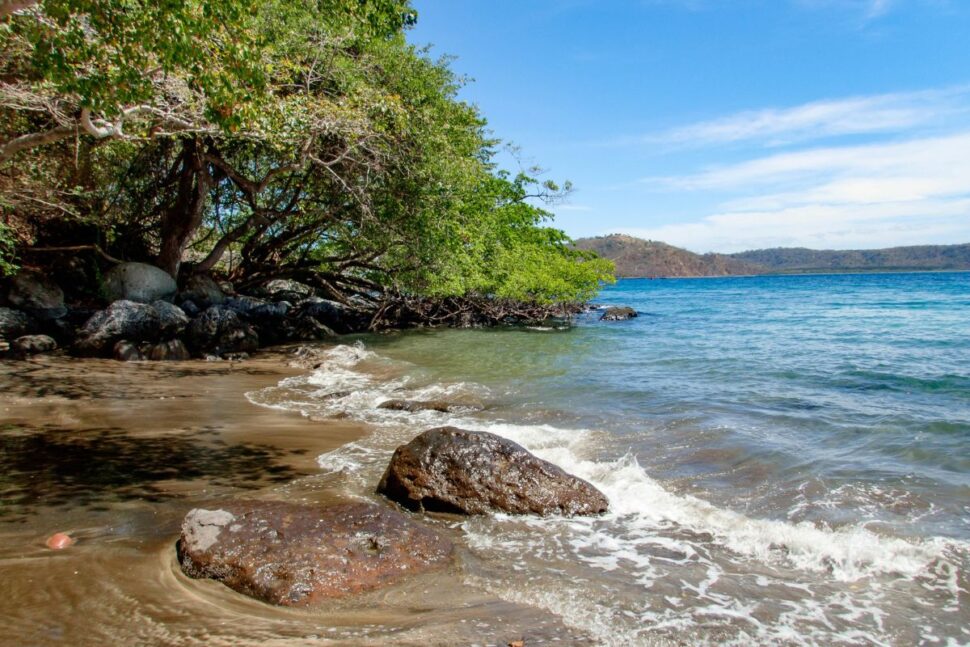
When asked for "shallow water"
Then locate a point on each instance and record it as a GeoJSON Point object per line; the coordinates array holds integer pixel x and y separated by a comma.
{"type": "Point", "coordinates": [787, 458]}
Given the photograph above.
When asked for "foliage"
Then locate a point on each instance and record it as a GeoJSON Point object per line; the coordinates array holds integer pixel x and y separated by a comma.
{"type": "Point", "coordinates": [272, 138]}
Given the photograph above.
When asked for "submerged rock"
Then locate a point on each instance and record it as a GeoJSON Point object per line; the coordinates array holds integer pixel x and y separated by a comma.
{"type": "Point", "coordinates": [414, 406]}
{"type": "Point", "coordinates": [128, 320]}
{"type": "Point", "coordinates": [138, 282]}
{"type": "Point", "coordinates": [294, 555]}
{"type": "Point", "coordinates": [37, 295]}
{"type": "Point", "coordinates": [471, 472]}
{"type": "Point", "coordinates": [618, 314]}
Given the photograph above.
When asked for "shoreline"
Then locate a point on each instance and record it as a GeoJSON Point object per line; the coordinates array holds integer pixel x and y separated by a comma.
{"type": "Point", "coordinates": [115, 453]}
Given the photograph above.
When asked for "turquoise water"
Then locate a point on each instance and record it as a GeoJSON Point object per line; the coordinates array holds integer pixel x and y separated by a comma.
{"type": "Point", "coordinates": [787, 458]}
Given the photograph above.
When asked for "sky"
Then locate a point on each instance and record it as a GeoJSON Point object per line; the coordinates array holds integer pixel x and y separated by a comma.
{"type": "Point", "coordinates": [727, 125]}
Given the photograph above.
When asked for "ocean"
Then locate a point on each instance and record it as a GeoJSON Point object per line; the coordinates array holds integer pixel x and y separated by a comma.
{"type": "Point", "coordinates": [787, 458]}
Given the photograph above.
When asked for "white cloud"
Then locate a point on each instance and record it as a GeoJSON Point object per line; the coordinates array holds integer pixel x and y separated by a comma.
{"type": "Point", "coordinates": [911, 192]}
{"type": "Point", "coordinates": [827, 118]}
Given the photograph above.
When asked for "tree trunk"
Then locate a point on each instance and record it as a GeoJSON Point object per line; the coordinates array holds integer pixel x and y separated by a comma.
{"type": "Point", "coordinates": [183, 218]}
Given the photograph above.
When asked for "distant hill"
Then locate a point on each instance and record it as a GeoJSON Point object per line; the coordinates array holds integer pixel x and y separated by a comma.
{"type": "Point", "coordinates": [635, 257]}
{"type": "Point", "coordinates": [799, 259]}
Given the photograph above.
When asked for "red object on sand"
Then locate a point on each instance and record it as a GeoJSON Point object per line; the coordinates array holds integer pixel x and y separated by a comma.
{"type": "Point", "coordinates": [59, 540]}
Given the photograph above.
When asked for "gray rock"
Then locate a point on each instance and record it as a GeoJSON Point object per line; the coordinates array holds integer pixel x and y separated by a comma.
{"type": "Point", "coordinates": [332, 314]}
{"type": "Point", "coordinates": [294, 555]}
{"type": "Point", "coordinates": [618, 314]}
{"type": "Point", "coordinates": [126, 351]}
{"type": "Point", "coordinates": [172, 321]}
{"type": "Point", "coordinates": [202, 290]}
{"type": "Point", "coordinates": [173, 351]}
{"type": "Point", "coordinates": [13, 323]}
{"type": "Point", "coordinates": [32, 345]}
{"type": "Point", "coordinates": [135, 322]}
{"type": "Point", "coordinates": [138, 282]}
{"type": "Point", "coordinates": [37, 295]}
{"type": "Point", "coordinates": [219, 331]}
{"type": "Point", "coordinates": [472, 472]}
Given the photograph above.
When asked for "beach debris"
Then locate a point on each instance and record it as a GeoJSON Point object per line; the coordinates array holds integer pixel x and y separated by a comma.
{"type": "Point", "coordinates": [294, 555]}
{"type": "Point", "coordinates": [59, 541]}
{"type": "Point", "coordinates": [473, 472]}
{"type": "Point", "coordinates": [616, 313]}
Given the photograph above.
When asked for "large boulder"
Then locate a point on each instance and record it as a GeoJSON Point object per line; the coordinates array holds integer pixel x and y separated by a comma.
{"type": "Point", "coordinates": [13, 323]}
{"type": "Point", "coordinates": [472, 472]}
{"type": "Point", "coordinates": [220, 331]}
{"type": "Point", "coordinates": [122, 320]}
{"type": "Point", "coordinates": [618, 314]}
{"type": "Point", "coordinates": [37, 295]}
{"type": "Point", "coordinates": [172, 320]}
{"type": "Point", "coordinates": [202, 290]}
{"type": "Point", "coordinates": [172, 350]}
{"type": "Point", "coordinates": [294, 555]}
{"type": "Point", "coordinates": [138, 282]}
{"type": "Point", "coordinates": [287, 290]}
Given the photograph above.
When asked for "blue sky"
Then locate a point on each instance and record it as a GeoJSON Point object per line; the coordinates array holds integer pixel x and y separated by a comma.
{"type": "Point", "coordinates": [724, 125]}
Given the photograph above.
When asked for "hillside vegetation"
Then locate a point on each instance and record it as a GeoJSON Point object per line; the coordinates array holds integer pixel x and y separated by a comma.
{"type": "Point", "coordinates": [635, 257]}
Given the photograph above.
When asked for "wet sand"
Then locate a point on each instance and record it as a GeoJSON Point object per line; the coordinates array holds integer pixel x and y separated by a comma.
{"type": "Point", "coordinates": [116, 453]}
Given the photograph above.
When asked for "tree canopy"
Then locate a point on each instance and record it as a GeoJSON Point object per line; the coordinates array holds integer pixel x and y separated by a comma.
{"type": "Point", "coordinates": [261, 139]}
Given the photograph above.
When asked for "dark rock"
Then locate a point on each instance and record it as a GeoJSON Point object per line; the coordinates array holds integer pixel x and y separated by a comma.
{"type": "Point", "coordinates": [135, 322]}
{"type": "Point", "coordinates": [202, 290]}
{"type": "Point", "coordinates": [32, 345]}
{"type": "Point", "coordinates": [173, 350]}
{"type": "Point", "coordinates": [172, 320]}
{"type": "Point", "coordinates": [126, 351]}
{"type": "Point", "coordinates": [268, 317]}
{"type": "Point", "coordinates": [138, 282]}
{"type": "Point", "coordinates": [294, 555]}
{"type": "Point", "coordinates": [333, 315]}
{"type": "Point", "coordinates": [189, 308]}
{"type": "Point", "coordinates": [618, 314]}
{"type": "Point", "coordinates": [13, 323]}
{"type": "Point", "coordinates": [218, 331]}
{"type": "Point", "coordinates": [37, 295]}
{"type": "Point", "coordinates": [306, 328]}
{"type": "Point", "coordinates": [470, 472]}
{"type": "Point", "coordinates": [414, 406]}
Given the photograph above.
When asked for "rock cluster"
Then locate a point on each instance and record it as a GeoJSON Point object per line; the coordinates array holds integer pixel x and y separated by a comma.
{"type": "Point", "coordinates": [148, 318]}
{"type": "Point", "coordinates": [618, 314]}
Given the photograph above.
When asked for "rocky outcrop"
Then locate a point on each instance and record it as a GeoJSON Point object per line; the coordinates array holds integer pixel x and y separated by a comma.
{"type": "Point", "coordinates": [36, 295]}
{"type": "Point", "coordinates": [32, 345]}
{"type": "Point", "coordinates": [618, 314]}
{"type": "Point", "coordinates": [294, 555]}
{"type": "Point", "coordinates": [122, 320]}
{"type": "Point", "coordinates": [470, 472]}
{"type": "Point", "coordinates": [220, 331]}
{"type": "Point", "coordinates": [333, 315]}
{"type": "Point", "coordinates": [138, 282]}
